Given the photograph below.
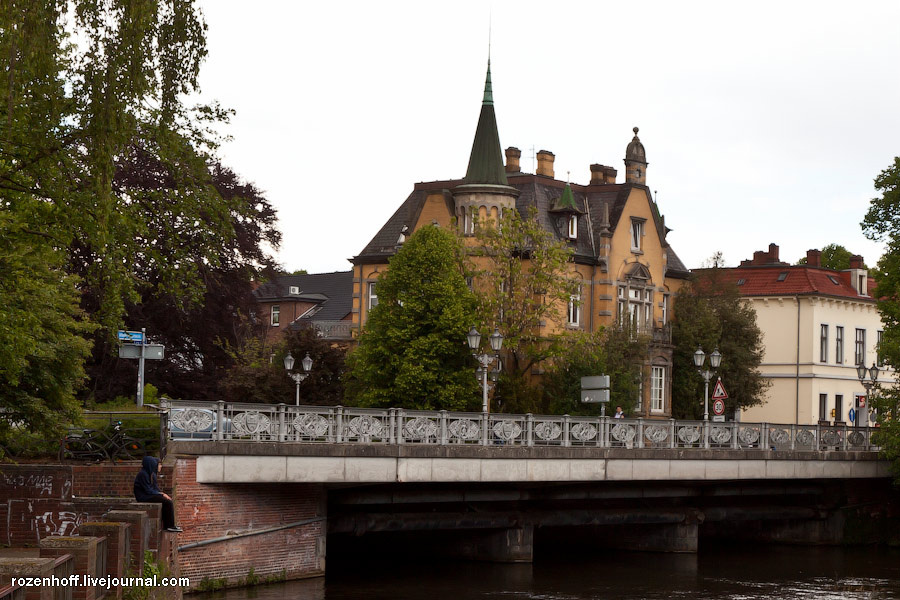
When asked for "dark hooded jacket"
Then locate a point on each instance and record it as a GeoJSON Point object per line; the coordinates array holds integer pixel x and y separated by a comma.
{"type": "Point", "coordinates": [145, 483]}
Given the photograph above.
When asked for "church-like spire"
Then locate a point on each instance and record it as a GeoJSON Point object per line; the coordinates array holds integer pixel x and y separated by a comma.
{"type": "Point", "coordinates": [486, 160]}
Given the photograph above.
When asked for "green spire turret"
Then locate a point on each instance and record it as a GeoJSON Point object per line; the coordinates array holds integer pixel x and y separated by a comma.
{"type": "Point", "coordinates": [486, 160]}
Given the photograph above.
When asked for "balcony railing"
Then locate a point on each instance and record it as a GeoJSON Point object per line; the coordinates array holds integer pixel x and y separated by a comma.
{"type": "Point", "coordinates": [221, 421]}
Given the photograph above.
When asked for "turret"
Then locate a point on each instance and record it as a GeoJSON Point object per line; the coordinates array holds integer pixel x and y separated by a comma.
{"type": "Point", "coordinates": [636, 161]}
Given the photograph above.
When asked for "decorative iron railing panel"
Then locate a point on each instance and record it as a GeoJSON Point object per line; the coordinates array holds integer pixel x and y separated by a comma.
{"type": "Point", "coordinates": [338, 424]}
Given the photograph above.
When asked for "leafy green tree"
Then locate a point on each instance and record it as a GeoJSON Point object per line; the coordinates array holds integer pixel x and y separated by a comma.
{"type": "Point", "coordinates": [710, 313]}
{"type": "Point", "coordinates": [882, 223]}
{"type": "Point", "coordinates": [412, 351]}
{"type": "Point", "coordinates": [523, 281]}
{"type": "Point", "coordinates": [258, 373]}
{"type": "Point", "coordinates": [42, 347]}
{"type": "Point", "coordinates": [834, 256]}
{"type": "Point", "coordinates": [613, 351]}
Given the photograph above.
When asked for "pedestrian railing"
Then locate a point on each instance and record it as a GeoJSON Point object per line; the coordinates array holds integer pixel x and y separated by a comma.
{"type": "Point", "coordinates": [225, 421]}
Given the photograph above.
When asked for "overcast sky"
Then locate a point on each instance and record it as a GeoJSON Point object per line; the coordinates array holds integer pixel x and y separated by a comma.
{"type": "Point", "coordinates": [763, 121]}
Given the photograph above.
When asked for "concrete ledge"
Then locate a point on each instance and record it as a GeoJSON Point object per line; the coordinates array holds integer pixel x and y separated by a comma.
{"type": "Point", "coordinates": [380, 469]}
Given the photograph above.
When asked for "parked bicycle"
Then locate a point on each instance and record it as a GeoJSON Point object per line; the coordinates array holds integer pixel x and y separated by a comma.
{"type": "Point", "coordinates": [95, 444]}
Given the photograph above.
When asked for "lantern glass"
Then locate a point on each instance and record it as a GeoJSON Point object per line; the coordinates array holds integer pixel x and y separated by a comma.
{"type": "Point", "coordinates": [715, 359]}
{"type": "Point", "coordinates": [474, 338]}
{"type": "Point", "coordinates": [873, 372]}
{"type": "Point", "coordinates": [288, 361]}
{"type": "Point", "coordinates": [307, 363]}
{"type": "Point", "coordinates": [861, 372]}
{"type": "Point", "coordinates": [496, 340]}
{"type": "Point", "coordinates": [698, 357]}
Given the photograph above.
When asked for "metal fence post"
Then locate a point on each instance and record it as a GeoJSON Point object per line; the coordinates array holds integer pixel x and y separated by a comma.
{"type": "Point", "coordinates": [567, 420]}
{"type": "Point", "coordinates": [485, 420]}
{"type": "Point", "coordinates": [282, 430]}
{"type": "Point", "coordinates": [443, 417]}
{"type": "Point", "coordinates": [763, 436]}
{"type": "Point", "coordinates": [793, 436]}
{"type": "Point", "coordinates": [640, 432]}
{"type": "Point", "coordinates": [735, 430]}
{"type": "Point", "coordinates": [672, 443]}
{"type": "Point", "coordinates": [706, 434]}
{"type": "Point", "coordinates": [339, 417]}
{"type": "Point", "coordinates": [220, 420]}
{"type": "Point", "coordinates": [529, 430]}
{"type": "Point", "coordinates": [603, 434]}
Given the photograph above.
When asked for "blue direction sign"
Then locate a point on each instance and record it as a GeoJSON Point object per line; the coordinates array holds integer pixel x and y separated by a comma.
{"type": "Point", "coordinates": [135, 337]}
{"type": "Point", "coordinates": [852, 415]}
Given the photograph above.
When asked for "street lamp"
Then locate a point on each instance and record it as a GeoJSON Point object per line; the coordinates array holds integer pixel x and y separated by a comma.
{"type": "Point", "coordinates": [485, 361]}
{"type": "Point", "coordinates": [872, 372]}
{"type": "Point", "coordinates": [306, 364]}
{"type": "Point", "coordinates": [715, 359]}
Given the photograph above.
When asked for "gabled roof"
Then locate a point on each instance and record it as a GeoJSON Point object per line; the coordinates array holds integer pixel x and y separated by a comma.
{"type": "Point", "coordinates": [792, 280]}
{"type": "Point", "coordinates": [333, 291]}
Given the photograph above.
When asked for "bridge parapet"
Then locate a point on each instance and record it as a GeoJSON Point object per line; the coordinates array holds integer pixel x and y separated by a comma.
{"type": "Point", "coordinates": [221, 421]}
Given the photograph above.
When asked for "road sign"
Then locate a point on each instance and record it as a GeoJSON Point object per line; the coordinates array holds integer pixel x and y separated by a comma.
{"type": "Point", "coordinates": [135, 337]}
{"type": "Point", "coordinates": [594, 396]}
{"type": "Point", "coordinates": [718, 418]}
{"type": "Point", "coordinates": [852, 415]}
{"type": "Point", "coordinates": [719, 392]}
{"type": "Point", "coordinates": [861, 401]}
{"type": "Point", "coordinates": [151, 351]}
{"type": "Point", "coordinates": [718, 406]}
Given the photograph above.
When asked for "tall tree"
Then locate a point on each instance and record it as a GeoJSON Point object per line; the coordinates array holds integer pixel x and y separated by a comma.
{"type": "Point", "coordinates": [524, 284]}
{"type": "Point", "coordinates": [882, 223]}
{"type": "Point", "coordinates": [834, 256]}
{"type": "Point", "coordinates": [710, 313]}
{"type": "Point", "coordinates": [412, 352]}
{"type": "Point", "coordinates": [613, 351]}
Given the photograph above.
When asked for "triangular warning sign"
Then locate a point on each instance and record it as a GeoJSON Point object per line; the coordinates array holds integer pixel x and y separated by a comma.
{"type": "Point", "coordinates": [719, 392]}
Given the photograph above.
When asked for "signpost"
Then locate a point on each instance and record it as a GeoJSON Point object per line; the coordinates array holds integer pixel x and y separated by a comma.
{"type": "Point", "coordinates": [135, 346]}
{"type": "Point", "coordinates": [719, 395]}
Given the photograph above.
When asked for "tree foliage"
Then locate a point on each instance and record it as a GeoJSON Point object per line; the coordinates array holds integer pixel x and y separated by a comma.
{"type": "Point", "coordinates": [882, 223]}
{"type": "Point", "coordinates": [834, 256]}
{"type": "Point", "coordinates": [523, 282]}
{"type": "Point", "coordinates": [612, 351]}
{"type": "Point", "coordinates": [258, 373]}
{"type": "Point", "coordinates": [412, 351]}
{"type": "Point", "coordinates": [709, 314]}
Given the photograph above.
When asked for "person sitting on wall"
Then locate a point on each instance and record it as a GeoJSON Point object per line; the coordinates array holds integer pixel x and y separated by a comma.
{"type": "Point", "coordinates": [146, 490]}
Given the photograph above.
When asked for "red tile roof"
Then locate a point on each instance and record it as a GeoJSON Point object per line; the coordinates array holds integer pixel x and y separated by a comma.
{"type": "Point", "coordinates": [797, 281]}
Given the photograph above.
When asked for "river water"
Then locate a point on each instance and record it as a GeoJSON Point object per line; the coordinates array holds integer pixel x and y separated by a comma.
{"type": "Point", "coordinates": [722, 572]}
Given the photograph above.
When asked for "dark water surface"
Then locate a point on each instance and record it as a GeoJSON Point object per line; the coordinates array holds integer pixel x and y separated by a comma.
{"type": "Point", "coordinates": [735, 573]}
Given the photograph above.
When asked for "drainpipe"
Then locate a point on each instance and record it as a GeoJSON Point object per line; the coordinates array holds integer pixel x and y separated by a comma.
{"type": "Point", "coordinates": [797, 370]}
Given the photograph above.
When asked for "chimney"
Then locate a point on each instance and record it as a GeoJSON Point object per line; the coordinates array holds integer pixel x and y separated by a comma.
{"type": "Point", "coordinates": [813, 258]}
{"type": "Point", "coordinates": [601, 174]}
{"type": "Point", "coordinates": [762, 257]}
{"type": "Point", "coordinates": [773, 253]}
{"type": "Point", "coordinates": [512, 160]}
{"type": "Point", "coordinates": [545, 163]}
{"type": "Point", "coordinates": [856, 262]}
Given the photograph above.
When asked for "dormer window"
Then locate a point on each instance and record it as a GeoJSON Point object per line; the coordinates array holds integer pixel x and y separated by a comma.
{"type": "Point", "coordinates": [573, 227]}
{"type": "Point", "coordinates": [782, 276]}
{"type": "Point", "coordinates": [637, 234]}
{"type": "Point", "coordinates": [295, 290]}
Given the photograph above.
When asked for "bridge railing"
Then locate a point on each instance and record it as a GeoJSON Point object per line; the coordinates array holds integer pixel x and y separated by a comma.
{"type": "Point", "coordinates": [221, 421]}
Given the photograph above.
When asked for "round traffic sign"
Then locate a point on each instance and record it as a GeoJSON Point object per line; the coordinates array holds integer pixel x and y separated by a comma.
{"type": "Point", "coordinates": [718, 407]}
{"type": "Point", "coordinates": [852, 415]}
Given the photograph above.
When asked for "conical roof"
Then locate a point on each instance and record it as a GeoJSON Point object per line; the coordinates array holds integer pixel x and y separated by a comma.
{"type": "Point", "coordinates": [635, 150]}
{"type": "Point", "coordinates": [486, 160]}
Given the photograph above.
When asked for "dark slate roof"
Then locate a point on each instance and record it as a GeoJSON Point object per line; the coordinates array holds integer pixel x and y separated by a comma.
{"type": "Point", "coordinates": [542, 193]}
{"type": "Point", "coordinates": [333, 291]}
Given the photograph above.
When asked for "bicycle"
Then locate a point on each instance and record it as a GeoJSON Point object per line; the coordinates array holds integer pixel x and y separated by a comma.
{"type": "Point", "coordinates": [97, 445]}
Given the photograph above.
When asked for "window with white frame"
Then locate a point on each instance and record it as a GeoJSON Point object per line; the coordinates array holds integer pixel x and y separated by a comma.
{"type": "Point", "coordinates": [823, 343]}
{"type": "Point", "coordinates": [665, 309]}
{"type": "Point", "coordinates": [639, 401]}
{"type": "Point", "coordinates": [574, 310]}
{"type": "Point", "coordinates": [860, 354]}
{"type": "Point", "coordinates": [657, 389]}
{"type": "Point", "coordinates": [839, 344]}
{"type": "Point", "coordinates": [636, 306]}
{"type": "Point", "coordinates": [468, 222]}
{"type": "Point", "coordinates": [373, 297]}
{"type": "Point", "coordinates": [276, 315]}
{"type": "Point", "coordinates": [637, 234]}
{"type": "Point", "coordinates": [573, 227]}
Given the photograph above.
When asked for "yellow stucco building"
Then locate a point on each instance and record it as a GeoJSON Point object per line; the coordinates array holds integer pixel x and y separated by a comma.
{"type": "Point", "coordinates": [627, 270]}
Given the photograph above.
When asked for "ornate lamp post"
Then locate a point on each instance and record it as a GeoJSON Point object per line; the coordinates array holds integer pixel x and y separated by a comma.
{"type": "Point", "coordinates": [306, 364]}
{"type": "Point", "coordinates": [485, 361]}
{"type": "Point", "coordinates": [861, 372]}
{"type": "Point", "coordinates": [715, 359]}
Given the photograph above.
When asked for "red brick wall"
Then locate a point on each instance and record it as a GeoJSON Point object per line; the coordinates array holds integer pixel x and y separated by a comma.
{"type": "Point", "coordinates": [37, 500]}
{"type": "Point", "coordinates": [208, 511]}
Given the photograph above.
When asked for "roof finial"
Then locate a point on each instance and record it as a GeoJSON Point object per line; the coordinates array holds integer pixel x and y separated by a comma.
{"type": "Point", "coordinates": [488, 90]}
{"type": "Point", "coordinates": [635, 130]}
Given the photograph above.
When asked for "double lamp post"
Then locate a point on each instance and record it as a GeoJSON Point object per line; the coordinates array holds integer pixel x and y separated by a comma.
{"type": "Point", "coordinates": [306, 364]}
{"type": "Point", "coordinates": [715, 359]}
{"type": "Point", "coordinates": [872, 372]}
{"type": "Point", "coordinates": [486, 366]}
